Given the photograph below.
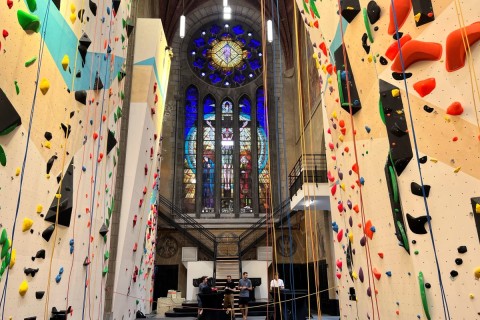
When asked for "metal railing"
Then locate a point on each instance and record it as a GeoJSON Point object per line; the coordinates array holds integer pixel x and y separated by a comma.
{"type": "Point", "coordinates": [311, 167]}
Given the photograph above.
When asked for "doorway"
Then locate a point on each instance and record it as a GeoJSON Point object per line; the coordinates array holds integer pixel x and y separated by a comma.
{"type": "Point", "coordinates": [166, 278]}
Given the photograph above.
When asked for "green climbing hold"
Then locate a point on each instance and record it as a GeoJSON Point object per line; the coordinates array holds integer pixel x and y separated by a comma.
{"type": "Point", "coordinates": [5, 249]}
{"type": "Point", "coordinates": [29, 22]}
{"type": "Point", "coordinates": [106, 255]}
{"type": "Point", "coordinates": [421, 282]}
{"type": "Point", "coordinates": [105, 271]}
{"type": "Point", "coordinates": [313, 8]}
{"type": "Point", "coordinates": [28, 63]}
{"type": "Point", "coordinates": [404, 236]}
{"type": "Point", "coordinates": [3, 157]}
{"type": "Point", "coordinates": [393, 177]}
{"type": "Point", "coordinates": [17, 88]}
{"type": "Point", "coordinates": [3, 237]}
{"type": "Point", "coordinates": [380, 109]}
{"type": "Point", "coordinates": [32, 5]}
{"type": "Point", "coordinates": [305, 7]}
{"type": "Point", "coordinates": [416, 252]}
{"type": "Point", "coordinates": [367, 25]}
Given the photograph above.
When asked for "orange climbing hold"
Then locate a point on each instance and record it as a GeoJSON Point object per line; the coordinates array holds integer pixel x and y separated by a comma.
{"type": "Point", "coordinates": [402, 9]}
{"type": "Point", "coordinates": [424, 87]}
{"type": "Point", "coordinates": [455, 109]}
{"type": "Point", "coordinates": [323, 47]}
{"type": "Point", "coordinates": [414, 51]}
{"type": "Point", "coordinates": [380, 254]}
{"type": "Point", "coordinates": [341, 123]}
{"type": "Point", "coordinates": [356, 209]}
{"type": "Point", "coordinates": [376, 273]}
{"type": "Point", "coordinates": [368, 229]}
{"type": "Point", "coordinates": [455, 49]}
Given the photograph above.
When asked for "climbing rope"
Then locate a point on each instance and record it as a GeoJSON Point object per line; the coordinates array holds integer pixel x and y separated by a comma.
{"type": "Point", "coordinates": [402, 61]}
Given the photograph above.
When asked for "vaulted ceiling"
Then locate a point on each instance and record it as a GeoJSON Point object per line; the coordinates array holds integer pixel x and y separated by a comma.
{"type": "Point", "coordinates": [169, 11]}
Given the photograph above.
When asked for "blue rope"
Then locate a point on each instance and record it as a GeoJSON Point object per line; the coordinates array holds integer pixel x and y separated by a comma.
{"type": "Point", "coordinates": [107, 73]}
{"type": "Point", "coordinates": [3, 299]}
{"type": "Point", "coordinates": [444, 297]}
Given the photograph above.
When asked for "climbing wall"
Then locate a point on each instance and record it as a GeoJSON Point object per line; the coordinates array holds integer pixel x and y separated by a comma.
{"type": "Point", "coordinates": [61, 96]}
{"type": "Point", "coordinates": [403, 150]}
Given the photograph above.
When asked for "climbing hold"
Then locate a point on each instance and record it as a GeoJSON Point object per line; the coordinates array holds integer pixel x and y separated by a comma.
{"type": "Point", "coordinates": [334, 227]}
{"type": "Point", "coordinates": [402, 9]}
{"type": "Point", "coordinates": [380, 254]}
{"type": "Point", "coordinates": [417, 225]}
{"type": "Point", "coordinates": [65, 62]}
{"type": "Point", "coordinates": [13, 258]}
{"type": "Point", "coordinates": [428, 109]}
{"type": "Point", "coordinates": [367, 229]}
{"type": "Point", "coordinates": [29, 62]}
{"type": "Point", "coordinates": [360, 274]}
{"type": "Point", "coordinates": [416, 189]}
{"type": "Point", "coordinates": [47, 233]}
{"type": "Point", "coordinates": [388, 273]}
{"type": "Point", "coordinates": [3, 157]}
{"type": "Point", "coordinates": [476, 272]}
{"type": "Point", "coordinates": [23, 288]}
{"type": "Point", "coordinates": [32, 5]}
{"type": "Point", "coordinates": [373, 11]}
{"type": "Point", "coordinates": [93, 7]}
{"type": "Point", "coordinates": [339, 264]}
{"type": "Point", "coordinates": [455, 109]}
{"type": "Point", "coordinates": [103, 230]}
{"type": "Point", "coordinates": [339, 275]}
{"type": "Point", "coordinates": [414, 51]}
{"type": "Point", "coordinates": [363, 241]}
{"type": "Point", "coordinates": [30, 271]}
{"type": "Point", "coordinates": [340, 235]}
{"type": "Point", "coordinates": [350, 237]}
{"type": "Point", "coordinates": [377, 273]}
{"type": "Point", "coordinates": [98, 85]}
{"type": "Point", "coordinates": [392, 50]}
{"type": "Point", "coordinates": [73, 18]}
{"type": "Point", "coordinates": [27, 224]}
{"type": "Point", "coordinates": [458, 261]}
{"type": "Point", "coordinates": [44, 86]}
{"type": "Point", "coordinates": [39, 294]}
{"type": "Point", "coordinates": [369, 292]}
{"type": "Point", "coordinates": [17, 171]}
{"type": "Point", "coordinates": [423, 295]}
{"type": "Point", "coordinates": [105, 271]}
{"type": "Point", "coordinates": [453, 273]}
{"type": "Point", "coordinates": [29, 22]}
{"type": "Point", "coordinates": [456, 46]}
{"type": "Point", "coordinates": [424, 87]}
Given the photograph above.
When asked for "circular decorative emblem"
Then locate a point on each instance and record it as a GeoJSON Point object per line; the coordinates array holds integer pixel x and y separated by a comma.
{"type": "Point", "coordinates": [167, 247]}
{"type": "Point", "coordinates": [285, 247]}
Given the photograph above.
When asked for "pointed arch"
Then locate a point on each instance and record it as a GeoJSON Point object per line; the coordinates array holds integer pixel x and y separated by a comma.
{"type": "Point", "coordinates": [245, 161]}
{"type": "Point", "coordinates": [208, 154]}
{"type": "Point", "coordinates": [228, 138]}
{"type": "Point", "coordinates": [263, 163]}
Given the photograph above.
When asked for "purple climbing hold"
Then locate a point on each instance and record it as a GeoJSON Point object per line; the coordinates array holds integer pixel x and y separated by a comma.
{"type": "Point", "coordinates": [369, 292]}
{"type": "Point", "coordinates": [349, 204]}
{"type": "Point", "coordinates": [350, 221]}
{"type": "Point", "coordinates": [360, 275]}
{"type": "Point", "coordinates": [363, 241]}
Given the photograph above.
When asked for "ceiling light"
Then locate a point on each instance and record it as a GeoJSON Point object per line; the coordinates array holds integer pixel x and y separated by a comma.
{"type": "Point", "coordinates": [227, 13]}
{"type": "Point", "coordinates": [225, 3]}
{"type": "Point", "coordinates": [182, 26]}
{"type": "Point", "coordinates": [269, 31]}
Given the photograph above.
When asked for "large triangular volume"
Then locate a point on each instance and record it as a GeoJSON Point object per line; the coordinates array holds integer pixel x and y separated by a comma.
{"type": "Point", "coordinates": [9, 119]}
{"type": "Point", "coordinates": [66, 203]}
{"type": "Point", "coordinates": [111, 141]}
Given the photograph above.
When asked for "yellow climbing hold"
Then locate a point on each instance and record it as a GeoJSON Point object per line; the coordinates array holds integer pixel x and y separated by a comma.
{"type": "Point", "coordinates": [418, 16]}
{"type": "Point", "coordinates": [47, 144]}
{"type": "Point", "coordinates": [17, 171]}
{"type": "Point", "coordinates": [73, 18]}
{"type": "Point", "coordinates": [340, 138]}
{"type": "Point", "coordinates": [334, 114]}
{"type": "Point", "coordinates": [447, 118]}
{"type": "Point", "coordinates": [72, 8]}
{"type": "Point", "coordinates": [457, 169]}
{"type": "Point", "coordinates": [477, 208]}
{"type": "Point", "coordinates": [58, 195]}
{"type": "Point", "coordinates": [330, 80]}
{"type": "Point", "coordinates": [477, 272]}
{"type": "Point", "coordinates": [350, 237]}
{"type": "Point", "coordinates": [13, 258]}
{"type": "Point", "coordinates": [23, 288]}
{"type": "Point", "coordinates": [395, 93]}
{"type": "Point", "coordinates": [433, 160]}
{"type": "Point", "coordinates": [27, 224]}
{"type": "Point", "coordinates": [44, 86]}
{"type": "Point", "coordinates": [471, 296]}
{"type": "Point", "coordinates": [39, 208]}
{"type": "Point", "coordinates": [342, 185]}
{"type": "Point", "coordinates": [47, 175]}
{"type": "Point", "coordinates": [354, 275]}
{"type": "Point", "coordinates": [369, 58]}
{"type": "Point", "coordinates": [65, 61]}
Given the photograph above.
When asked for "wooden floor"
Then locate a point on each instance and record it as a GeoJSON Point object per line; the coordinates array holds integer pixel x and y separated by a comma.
{"type": "Point", "coordinates": [314, 317]}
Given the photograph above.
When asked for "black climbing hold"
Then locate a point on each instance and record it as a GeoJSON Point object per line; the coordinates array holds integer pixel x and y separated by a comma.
{"type": "Point", "coordinates": [86, 262]}
{"type": "Point", "coordinates": [72, 114]}
{"type": "Point", "coordinates": [81, 96]}
{"type": "Point", "coordinates": [116, 5]}
{"type": "Point", "coordinates": [417, 189]}
{"type": "Point", "coordinates": [57, 3]}
{"type": "Point", "coordinates": [383, 61]}
{"type": "Point", "coordinates": [30, 271]}
{"type": "Point", "coordinates": [458, 261]}
{"type": "Point", "coordinates": [423, 12]}
{"type": "Point", "coordinates": [400, 34]}
{"type": "Point", "coordinates": [350, 9]}
{"type": "Point", "coordinates": [111, 141]}
{"type": "Point", "coordinates": [40, 254]}
{"type": "Point", "coordinates": [376, 28]}
{"type": "Point", "coordinates": [78, 74]}
{"type": "Point", "coordinates": [9, 119]}
{"type": "Point", "coordinates": [417, 225]}
{"type": "Point", "coordinates": [93, 7]}
{"type": "Point", "coordinates": [462, 249]}
{"type": "Point", "coordinates": [83, 45]}
{"type": "Point", "coordinates": [66, 203]}
{"type": "Point", "coordinates": [30, 318]}
{"type": "Point", "coordinates": [453, 273]}
{"type": "Point", "coordinates": [50, 163]}
{"type": "Point", "coordinates": [476, 201]}
{"type": "Point", "coordinates": [66, 130]}
{"type": "Point", "coordinates": [98, 85]}
{"type": "Point", "coordinates": [80, 14]}
{"type": "Point", "coordinates": [423, 159]}
{"type": "Point", "coordinates": [48, 135]}
{"type": "Point", "coordinates": [354, 96]}
{"type": "Point", "coordinates": [39, 294]}
{"type": "Point", "coordinates": [373, 11]}
{"type": "Point", "coordinates": [396, 130]}
{"type": "Point", "coordinates": [121, 75]}
{"type": "Point", "coordinates": [47, 233]}
{"type": "Point", "coordinates": [414, 241]}
{"type": "Point", "coordinates": [428, 109]}
{"type": "Point", "coordinates": [428, 285]}
{"type": "Point", "coordinates": [103, 230]}
{"type": "Point", "coordinates": [365, 45]}
{"type": "Point", "coordinates": [399, 76]}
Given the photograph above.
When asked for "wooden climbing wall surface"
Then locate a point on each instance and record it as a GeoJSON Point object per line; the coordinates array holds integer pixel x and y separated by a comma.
{"type": "Point", "coordinates": [68, 119]}
{"type": "Point", "coordinates": [393, 271]}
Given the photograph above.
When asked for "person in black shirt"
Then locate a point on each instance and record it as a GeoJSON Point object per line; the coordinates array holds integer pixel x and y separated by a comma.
{"type": "Point", "coordinates": [229, 290]}
{"type": "Point", "coordinates": [203, 287]}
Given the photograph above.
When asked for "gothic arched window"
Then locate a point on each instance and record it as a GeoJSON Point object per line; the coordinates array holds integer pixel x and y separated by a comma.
{"type": "Point", "coordinates": [190, 152]}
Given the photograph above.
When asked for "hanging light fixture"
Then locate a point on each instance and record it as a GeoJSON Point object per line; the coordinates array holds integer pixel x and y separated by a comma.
{"type": "Point", "coordinates": [269, 31]}
{"type": "Point", "coordinates": [227, 13]}
{"type": "Point", "coordinates": [182, 21]}
{"type": "Point", "coordinates": [225, 3]}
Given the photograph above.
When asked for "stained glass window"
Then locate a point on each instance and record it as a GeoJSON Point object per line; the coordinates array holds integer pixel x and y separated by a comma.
{"type": "Point", "coordinates": [225, 56]}
{"type": "Point", "coordinates": [245, 128]}
{"type": "Point", "coordinates": [227, 178]}
{"type": "Point", "coordinates": [190, 158]}
{"type": "Point", "coordinates": [208, 156]}
{"type": "Point", "coordinates": [263, 163]}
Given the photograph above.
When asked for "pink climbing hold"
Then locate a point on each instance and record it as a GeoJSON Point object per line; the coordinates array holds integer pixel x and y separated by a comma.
{"type": "Point", "coordinates": [339, 264]}
{"type": "Point", "coordinates": [455, 109]}
{"type": "Point", "coordinates": [331, 145]}
{"type": "Point", "coordinates": [340, 235]}
{"type": "Point", "coordinates": [424, 87]}
{"type": "Point", "coordinates": [330, 177]}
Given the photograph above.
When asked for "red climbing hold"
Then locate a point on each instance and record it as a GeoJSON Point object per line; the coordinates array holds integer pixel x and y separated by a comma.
{"type": "Point", "coordinates": [380, 254]}
{"type": "Point", "coordinates": [341, 123]}
{"type": "Point", "coordinates": [146, 169]}
{"type": "Point", "coordinates": [346, 149]}
{"type": "Point", "coordinates": [368, 229]}
{"type": "Point", "coordinates": [331, 145]}
{"type": "Point", "coordinates": [355, 168]}
{"type": "Point", "coordinates": [95, 136]}
{"type": "Point", "coordinates": [455, 48]}
{"type": "Point", "coordinates": [9, 4]}
{"type": "Point", "coordinates": [334, 189]}
{"type": "Point", "coordinates": [402, 9]}
{"type": "Point", "coordinates": [343, 130]}
{"type": "Point", "coordinates": [5, 33]}
{"type": "Point", "coordinates": [323, 47]}
{"type": "Point", "coordinates": [340, 207]}
{"type": "Point", "coordinates": [414, 51]}
{"type": "Point", "coordinates": [424, 87]}
{"type": "Point", "coordinates": [392, 50]}
{"type": "Point", "coordinates": [376, 273]}
{"type": "Point", "coordinates": [330, 177]}
{"type": "Point", "coordinates": [339, 275]}
{"type": "Point", "coordinates": [329, 68]}
{"type": "Point", "coordinates": [455, 109]}
{"type": "Point", "coordinates": [104, 118]}
{"type": "Point", "coordinates": [356, 209]}
{"type": "Point", "coordinates": [455, 139]}
{"type": "Point", "coordinates": [339, 264]}
{"type": "Point", "coordinates": [340, 235]}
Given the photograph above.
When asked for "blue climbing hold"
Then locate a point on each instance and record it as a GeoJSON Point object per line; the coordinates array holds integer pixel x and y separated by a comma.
{"type": "Point", "coordinates": [388, 273]}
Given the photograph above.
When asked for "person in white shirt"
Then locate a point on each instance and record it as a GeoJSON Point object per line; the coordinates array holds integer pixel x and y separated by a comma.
{"type": "Point", "coordinates": [277, 283]}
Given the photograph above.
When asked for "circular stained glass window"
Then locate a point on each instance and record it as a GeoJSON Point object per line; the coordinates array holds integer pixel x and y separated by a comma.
{"type": "Point", "coordinates": [226, 56]}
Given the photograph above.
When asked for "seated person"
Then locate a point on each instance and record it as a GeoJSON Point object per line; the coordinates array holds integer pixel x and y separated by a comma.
{"type": "Point", "coordinates": [277, 283]}
{"type": "Point", "coordinates": [228, 301]}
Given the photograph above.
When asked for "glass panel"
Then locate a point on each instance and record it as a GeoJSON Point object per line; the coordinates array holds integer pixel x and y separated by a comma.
{"type": "Point", "coordinates": [208, 156]}
{"type": "Point", "coordinates": [245, 128]}
{"type": "Point", "coordinates": [263, 166]}
{"type": "Point", "coordinates": [227, 157]}
{"type": "Point", "coordinates": [190, 149]}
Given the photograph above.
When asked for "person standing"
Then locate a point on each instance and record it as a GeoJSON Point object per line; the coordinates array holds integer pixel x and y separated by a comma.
{"type": "Point", "coordinates": [228, 300]}
{"type": "Point", "coordinates": [203, 287]}
{"type": "Point", "coordinates": [245, 286]}
{"type": "Point", "coordinates": [277, 283]}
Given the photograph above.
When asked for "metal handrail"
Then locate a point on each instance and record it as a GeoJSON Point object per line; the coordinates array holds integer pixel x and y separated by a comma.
{"type": "Point", "coordinates": [313, 167]}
